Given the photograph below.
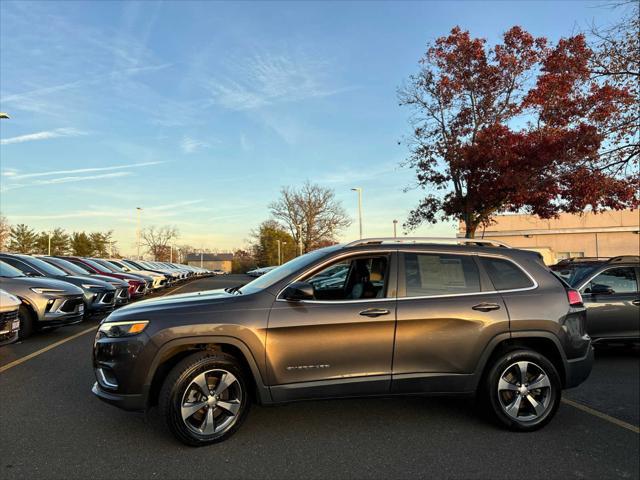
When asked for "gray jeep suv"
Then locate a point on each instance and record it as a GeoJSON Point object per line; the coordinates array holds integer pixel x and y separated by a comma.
{"type": "Point", "coordinates": [411, 316]}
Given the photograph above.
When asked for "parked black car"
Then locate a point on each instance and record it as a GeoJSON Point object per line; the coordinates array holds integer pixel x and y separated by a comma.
{"type": "Point", "coordinates": [609, 288]}
{"type": "Point", "coordinates": [122, 287]}
{"type": "Point", "coordinates": [410, 317]}
{"type": "Point", "coordinates": [99, 296]}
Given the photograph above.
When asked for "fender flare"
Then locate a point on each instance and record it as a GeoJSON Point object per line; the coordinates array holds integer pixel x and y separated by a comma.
{"type": "Point", "coordinates": [520, 334]}
{"type": "Point", "coordinates": [263, 391]}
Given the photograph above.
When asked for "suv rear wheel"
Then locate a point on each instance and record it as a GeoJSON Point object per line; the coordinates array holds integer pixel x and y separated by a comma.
{"type": "Point", "coordinates": [204, 398]}
{"type": "Point", "coordinates": [523, 390]}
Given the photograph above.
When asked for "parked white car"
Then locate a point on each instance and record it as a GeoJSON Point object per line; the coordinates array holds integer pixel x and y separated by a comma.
{"type": "Point", "coordinates": [9, 321]}
{"type": "Point", "coordinates": [159, 280]}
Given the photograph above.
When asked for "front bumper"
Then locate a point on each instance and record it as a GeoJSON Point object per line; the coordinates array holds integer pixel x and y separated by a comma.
{"type": "Point", "coordinates": [9, 326]}
{"type": "Point", "coordinates": [136, 402]}
{"type": "Point", "coordinates": [578, 369]}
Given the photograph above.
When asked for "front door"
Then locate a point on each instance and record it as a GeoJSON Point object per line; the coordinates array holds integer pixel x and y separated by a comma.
{"type": "Point", "coordinates": [341, 342]}
{"type": "Point", "coordinates": [617, 312]}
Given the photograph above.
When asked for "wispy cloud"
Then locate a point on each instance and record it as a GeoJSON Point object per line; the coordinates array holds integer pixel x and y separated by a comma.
{"type": "Point", "coordinates": [191, 145]}
{"type": "Point", "coordinates": [19, 176]}
{"type": "Point", "coordinates": [12, 178]}
{"type": "Point", "coordinates": [46, 135]}
{"type": "Point", "coordinates": [267, 78]}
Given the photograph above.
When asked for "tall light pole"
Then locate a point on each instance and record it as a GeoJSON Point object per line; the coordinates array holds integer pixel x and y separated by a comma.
{"type": "Point", "coordinates": [284, 244]}
{"type": "Point", "coordinates": [299, 237]}
{"type": "Point", "coordinates": [359, 190]}
{"type": "Point", "coordinates": [171, 253]}
{"type": "Point", "coordinates": [49, 243]}
{"type": "Point", "coordinates": [395, 233]}
{"type": "Point", "coordinates": [139, 210]}
{"type": "Point", "coordinates": [279, 257]}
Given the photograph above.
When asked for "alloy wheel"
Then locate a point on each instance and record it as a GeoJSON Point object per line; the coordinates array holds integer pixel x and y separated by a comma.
{"type": "Point", "coordinates": [524, 391]}
{"type": "Point", "coordinates": [211, 402]}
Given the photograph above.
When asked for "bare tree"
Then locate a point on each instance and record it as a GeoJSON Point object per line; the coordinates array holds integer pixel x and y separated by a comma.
{"type": "Point", "coordinates": [5, 231]}
{"type": "Point", "coordinates": [311, 214]}
{"type": "Point", "coordinates": [616, 61]}
{"type": "Point", "coordinates": [158, 240]}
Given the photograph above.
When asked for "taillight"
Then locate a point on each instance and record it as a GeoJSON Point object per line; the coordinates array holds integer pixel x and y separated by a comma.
{"type": "Point", "coordinates": [574, 297]}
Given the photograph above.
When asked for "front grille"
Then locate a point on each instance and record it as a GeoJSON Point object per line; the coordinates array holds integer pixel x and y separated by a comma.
{"type": "Point", "coordinates": [121, 293]}
{"type": "Point", "coordinates": [70, 306]}
{"type": "Point", "coordinates": [140, 288]}
{"type": "Point", "coordinates": [8, 316]}
{"type": "Point", "coordinates": [107, 297]}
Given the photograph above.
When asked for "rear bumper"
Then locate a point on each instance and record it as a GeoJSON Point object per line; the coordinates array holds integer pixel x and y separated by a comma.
{"type": "Point", "coordinates": [578, 369]}
{"type": "Point", "coordinates": [126, 402]}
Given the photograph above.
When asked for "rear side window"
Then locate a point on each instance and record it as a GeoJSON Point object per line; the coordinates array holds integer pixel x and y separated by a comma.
{"type": "Point", "coordinates": [505, 275]}
{"type": "Point", "coordinates": [440, 274]}
{"type": "Point", "coordinates": [619, 279]}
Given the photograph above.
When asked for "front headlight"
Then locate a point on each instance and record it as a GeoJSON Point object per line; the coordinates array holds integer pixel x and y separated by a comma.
{"type": "Point", "coordinates": [90, 286]}
{"type": "Point", "coordinates": [46, 291]}
{"type": "Point", "coordinates": [123, 329]}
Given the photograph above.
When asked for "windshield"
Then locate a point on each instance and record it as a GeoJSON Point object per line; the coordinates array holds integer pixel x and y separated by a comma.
{"type": "Point", "coordinates": [7, 270]}
{"type": "Point", "coordinates": [70, 268]}
{"type": "Point", "coordinates": [283, 271]}
{"type": "Point", "coordinates": [46, 267]}
{"type": "Point", "coordinates": [574, 273]}
{"type": "Point", "coordinates": [96, 265]}
{"type": "Point", "coordinates": [108, 265]}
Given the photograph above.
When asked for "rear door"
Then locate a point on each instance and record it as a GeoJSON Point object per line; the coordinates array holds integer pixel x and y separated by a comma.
{"type": "Point", "coordinates": [616, 314]}
{"type": "Point", "coordinates": [447, 313]}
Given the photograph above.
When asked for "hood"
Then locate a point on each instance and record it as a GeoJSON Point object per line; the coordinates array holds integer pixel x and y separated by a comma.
{"type": "Point", "coordinates": [29, 282]}
{"type": "Point", "coordinates": [81, 279]}
{"type": "Point", "coordinates": [110, 280]}
{"type": "Point", "coordinates": [169, 301]}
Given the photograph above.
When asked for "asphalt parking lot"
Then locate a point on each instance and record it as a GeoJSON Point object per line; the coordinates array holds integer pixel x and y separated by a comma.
{"type": "Point", "coordinates": [51, 426]}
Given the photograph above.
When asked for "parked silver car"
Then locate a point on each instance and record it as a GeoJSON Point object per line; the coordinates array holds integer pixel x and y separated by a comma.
{"type": "Point", "coordinates": [46, 303]}
{"type": "Point", "coordinates": [9, 323]}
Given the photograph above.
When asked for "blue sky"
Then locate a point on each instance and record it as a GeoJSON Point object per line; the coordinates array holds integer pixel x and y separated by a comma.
{"type": "Point", "coordinates": [200, 112]}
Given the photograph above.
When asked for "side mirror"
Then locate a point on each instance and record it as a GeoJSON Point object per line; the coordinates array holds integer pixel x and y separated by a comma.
{"type": "Point", "coordinates": [299, 291]}
{"type": "Point", "coordinates": [598, 289]}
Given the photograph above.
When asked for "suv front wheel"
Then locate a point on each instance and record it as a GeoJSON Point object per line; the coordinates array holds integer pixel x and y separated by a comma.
{"type": "Point", "coordinates": [204, 398]}
{"type": "Point", "coordinates": [523, 390]}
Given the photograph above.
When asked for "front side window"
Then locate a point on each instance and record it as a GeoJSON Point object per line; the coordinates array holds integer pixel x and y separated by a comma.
{"type": "Point", "coordinates": [428, 274]}
{"type": "Point", "coordinates": [619, 279]}
{"type": "Point", "coordinates": [505, 275]}
{"type": "Point", "coordinates": [354, 278]}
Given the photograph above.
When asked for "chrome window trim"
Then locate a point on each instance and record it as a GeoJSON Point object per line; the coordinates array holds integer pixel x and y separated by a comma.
{"type": "Point", "coordinates": [331, 260]}
{"type": "Point", "coordinates": [611, 267]}
{"type": "Point", "coordinates": [419, 250]}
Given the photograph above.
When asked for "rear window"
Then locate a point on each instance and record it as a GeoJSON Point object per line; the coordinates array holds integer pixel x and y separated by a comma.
{"type": "Point", "coordinates": [505, 275]}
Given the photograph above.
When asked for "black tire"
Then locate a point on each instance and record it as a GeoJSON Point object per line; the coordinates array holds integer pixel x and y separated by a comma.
{"type": "Point", "coordinates": [179, 383]}
{"type": "Point", "coordinates": [524, 417]}
{"type": "Point", "coordinates": [27, 322]}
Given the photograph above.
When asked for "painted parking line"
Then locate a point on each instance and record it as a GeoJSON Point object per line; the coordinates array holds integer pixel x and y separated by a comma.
{"type": "Point", "coordinates": [603, 416]}
{"type": "Point", "coordinates": [17, 362]}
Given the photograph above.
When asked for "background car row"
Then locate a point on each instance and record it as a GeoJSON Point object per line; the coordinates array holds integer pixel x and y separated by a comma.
{"type": "Point", "coordinates": [45, 292]}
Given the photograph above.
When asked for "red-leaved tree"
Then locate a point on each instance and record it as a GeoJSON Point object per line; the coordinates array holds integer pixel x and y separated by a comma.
{"type": "Point", "coordinates": [515, 127]}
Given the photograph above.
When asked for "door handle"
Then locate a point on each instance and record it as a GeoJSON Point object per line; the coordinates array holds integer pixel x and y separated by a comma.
{"type": "Point", "coordinates": [486, 307]}
{"type": "Point", "coordinates": [636, 302]}
{"type": "Point", "coordinates": [374, 312]}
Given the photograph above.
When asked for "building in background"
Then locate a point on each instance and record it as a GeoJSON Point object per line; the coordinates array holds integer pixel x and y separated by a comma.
{"type": "Point", "coordinates": [212, 261]}
{"type": "Point", "coordinates": [606, 234]}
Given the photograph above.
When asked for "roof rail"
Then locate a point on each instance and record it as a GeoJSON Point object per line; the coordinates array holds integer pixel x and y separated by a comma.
{"type": "Point", "coordinates": [625, 258]}
{"type": "Point", "coordinates": [439, 240]}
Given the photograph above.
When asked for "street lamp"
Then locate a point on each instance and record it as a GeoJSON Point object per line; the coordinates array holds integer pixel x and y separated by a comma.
{"type": "Point", "coordinates": [284, 244]}
{"type": "Point", "coordinates": [139, 234]}
{"type": "Point", "coordinates": [279, 258]}
{"type": "Point", "coordinates": [49, 233]}
{"type": "Point", "coordinates": [359, 190]}
{"type": "Point", "coordinates": [299, 226]}
{"type": "Point", "coordinates": [395, 223]}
